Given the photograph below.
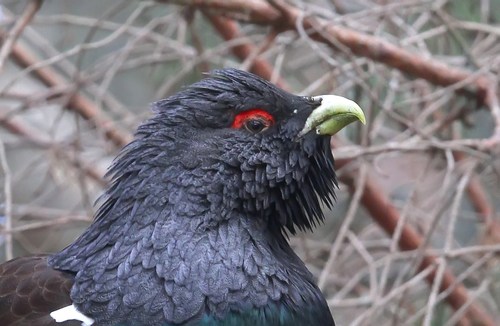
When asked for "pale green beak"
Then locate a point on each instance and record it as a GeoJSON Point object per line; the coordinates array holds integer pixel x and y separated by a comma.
{"type": "Point", "coordinates": [333, 114]}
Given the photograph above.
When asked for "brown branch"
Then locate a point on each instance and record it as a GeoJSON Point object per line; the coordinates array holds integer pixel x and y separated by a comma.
{"type": "Point", "coordinates": [77, 102]}
{"type": "Point", "coordinates": [22, 130]}
{"type": "Point", "coordinates": [229, 30]}
{"type": "Point", "coordinates": [282, 16]}
{"type": "Point", "coordinates": [387, 216]}
{"type": "Point", "coordinates": [286, 17]}
{"type": "Point", "coordinates": [257, 12]}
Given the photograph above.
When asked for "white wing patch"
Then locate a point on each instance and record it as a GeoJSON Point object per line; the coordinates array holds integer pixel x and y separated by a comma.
{"type": "Point", "coordinates": [71, 313]}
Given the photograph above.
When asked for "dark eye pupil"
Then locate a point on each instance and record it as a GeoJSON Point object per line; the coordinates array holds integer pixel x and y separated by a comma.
{"type": "Point", "coordinates": [255, 125]}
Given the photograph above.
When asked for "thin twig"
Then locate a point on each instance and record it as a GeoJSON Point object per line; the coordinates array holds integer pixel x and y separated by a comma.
{"type": "Point", "coordinates": [442, 262]}
{"type": "Point", "coordinates": [78, 102]}
{"type": "Point", "coordinates": [20, 129]}
{"type": "Point", "coordinates": [351, 213]}
{"type": "Point", "coordinates": [10, 39]}
{"type": "Point", "coordinates": [7, 202]}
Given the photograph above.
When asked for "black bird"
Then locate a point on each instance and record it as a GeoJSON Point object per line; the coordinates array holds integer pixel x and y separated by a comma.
{"type": "Point", "coordinates": [192, 230]}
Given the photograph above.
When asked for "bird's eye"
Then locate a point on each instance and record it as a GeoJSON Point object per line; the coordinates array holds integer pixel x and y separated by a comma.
{"type": "Point", "coordinates": [254, 120]}
{"type": "Point", "coordinates": [255, 125]}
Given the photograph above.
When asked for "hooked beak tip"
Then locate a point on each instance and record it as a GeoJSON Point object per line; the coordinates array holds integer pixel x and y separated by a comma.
{"type": "Point", "coordinates": [332, 115]}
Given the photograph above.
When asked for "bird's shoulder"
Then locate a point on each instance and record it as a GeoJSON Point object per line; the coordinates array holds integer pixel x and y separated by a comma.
{"type": "Point", "coordinates": [30, 290]}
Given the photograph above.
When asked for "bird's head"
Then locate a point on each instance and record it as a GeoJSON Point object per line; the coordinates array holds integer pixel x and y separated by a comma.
{"type": "Point", "coordinates": [241, 144]}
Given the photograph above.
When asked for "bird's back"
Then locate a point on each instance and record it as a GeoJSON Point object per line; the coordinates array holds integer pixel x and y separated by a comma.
{"type": "Point", "coordinates": [30, 290]}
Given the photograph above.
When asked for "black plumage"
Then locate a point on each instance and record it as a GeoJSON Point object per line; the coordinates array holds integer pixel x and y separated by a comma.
{"type": "Point", "coordinates": [192, 230]}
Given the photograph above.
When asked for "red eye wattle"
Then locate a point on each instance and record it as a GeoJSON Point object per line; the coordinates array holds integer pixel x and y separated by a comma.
{"type": "Point", "coordinates": [254, 120]}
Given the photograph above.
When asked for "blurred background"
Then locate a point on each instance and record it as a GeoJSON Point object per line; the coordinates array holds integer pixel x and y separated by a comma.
{"type": "Point", "coordinates": [415, 235]}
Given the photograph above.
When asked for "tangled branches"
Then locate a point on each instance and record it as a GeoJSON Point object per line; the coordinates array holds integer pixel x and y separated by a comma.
{"type": "Point", "coordinates": [425, 170]}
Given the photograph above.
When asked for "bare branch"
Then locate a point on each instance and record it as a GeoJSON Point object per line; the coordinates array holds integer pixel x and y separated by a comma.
{"type": "Point", "coordinates": [76, 101]}
{"type": "Point", "coordinates": [10, 39]}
